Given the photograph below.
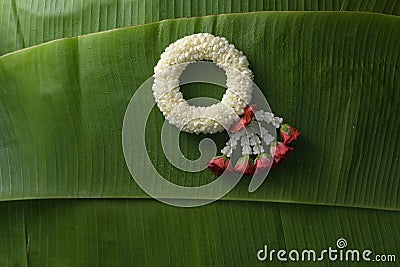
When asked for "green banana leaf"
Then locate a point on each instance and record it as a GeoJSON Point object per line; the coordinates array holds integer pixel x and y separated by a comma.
{"type": "Point", "coordinates": [26, 23]}
{"type": "Point", "coordinates": [62, 114]}
{"type": "Point", "coordinates": [390, 7]}
{"type": "Point", "coordinates": [61, 111]}
{"type": "Point", "coordinates": [145, 232]}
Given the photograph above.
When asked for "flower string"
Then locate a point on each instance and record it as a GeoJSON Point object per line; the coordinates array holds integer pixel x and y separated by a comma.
{"type": "Point", "coordinates": [252, 135]}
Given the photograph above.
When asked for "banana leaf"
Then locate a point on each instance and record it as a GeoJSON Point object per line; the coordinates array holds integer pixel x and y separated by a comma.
{"type": "Point", "coordinates": [26, 23]}
{"type": "Point", "coordinates": [133, 232]}
{"type": "Point", "coordinates": [390, 7]}
{"type": "Point", "coordinates": [61, 111]}
{"type": "Point", "coordinates": [62, 114]}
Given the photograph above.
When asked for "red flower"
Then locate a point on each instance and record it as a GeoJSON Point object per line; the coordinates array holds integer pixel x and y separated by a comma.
{"type": "Point", "coordinates": [249, 114]}
{"type": "Point", "coordinates": [245, 120]}
{"type": "Point", "coordinates": [245, 165]}
{"type": "Point", "coordinates": [281, 151]}
{"type": "Point", "coordinates": [262, 163]}
{"type": "Point", "coordinates": [219, 164]}
{"type": "Point", "coordinates": [289, 133]}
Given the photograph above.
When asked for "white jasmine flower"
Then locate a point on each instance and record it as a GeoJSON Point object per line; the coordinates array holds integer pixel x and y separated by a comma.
{"type": "Point", "coordinates": [255, 140]}
{"type": "Point", "coordinates": [266, 137]}
{"type": "Point", "coordinates": [232, 142]}
{"type": "Point", "coordinates": [276, 122]}
{"type": "Point", "coordinates": [227, 150]}
{"type": "Point", "coordinates": [244, 140]}
{"type": "Point", "coordinates": [264, 116]}
{"type": "Point", "coordinates": [246, 150]}
{"type": "Point", "coordinates": [258, 149]}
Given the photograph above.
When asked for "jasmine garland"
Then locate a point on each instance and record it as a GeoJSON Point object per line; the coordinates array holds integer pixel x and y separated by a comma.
{"type": "Point", "coordinates": [245, 130]}
{"type": "Point", "coordinates": [192, 48]}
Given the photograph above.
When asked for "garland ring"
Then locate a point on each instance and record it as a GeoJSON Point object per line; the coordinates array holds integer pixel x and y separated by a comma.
{"type": "Point", "coordinates": [169, 98]}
